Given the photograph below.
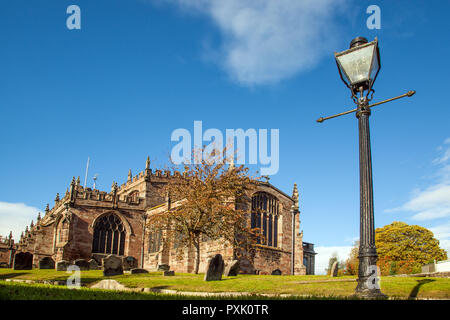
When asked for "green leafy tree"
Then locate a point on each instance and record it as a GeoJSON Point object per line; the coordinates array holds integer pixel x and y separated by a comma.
{"type": "Point", "coordinates": [352, 263]}
{"type": "Point", "coordinates": [206, 200]}
{"type": "Point", "coordinates": [404, 248]}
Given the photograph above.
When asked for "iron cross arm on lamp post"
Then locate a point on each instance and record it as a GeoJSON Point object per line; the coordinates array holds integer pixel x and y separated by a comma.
{"type": "Point", "coordinates": [408, 94]}
{"type": "Point", "coordinates": [359, 67]}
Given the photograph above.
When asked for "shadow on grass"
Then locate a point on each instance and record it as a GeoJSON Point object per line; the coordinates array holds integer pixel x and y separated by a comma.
{"type": "Point", "coordinates": [223, 279]}
{"type": "Point", "coordinates": [415, 291]}
{"type": "Point", "coordinates": [160, 287]}
{"type": "Point", "coordinates": [5, 276]}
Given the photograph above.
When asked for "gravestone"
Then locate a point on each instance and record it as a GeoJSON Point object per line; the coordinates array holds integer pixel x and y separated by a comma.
{"type": "Point", "coordinates": [93, 265]}
{"type": "Point", "coordinates": [112, 266]}
{"type": "Point", "coordinates": [62, 265]}
{"type": "Point", "coordinates": [163, 267]}
{"type": "Point", "coordinates": [214, 268]}
{"type": "Point", "coordinates": [129, 263]}
{"type": "Point", "coordinates": [276, 272]}
{"type": "Point", "coordinates": [82, 264]}
{"type": "Point", "coordinates": [232, 269]}
{"type": "Point", "coordinates": [168, 273]}
{"type": "Point", "coordinates": [334, 269]}
{"type": "Point", "coordinates": [46, 263]}
{"type": "Point", "coordinates": [137, 270]}
{"type": "Point", "coordinates": [23, 261]}
{"type": "Point", "coordinates": [110, 284]}
{"type": "Point", "coordinates": [98, 258]}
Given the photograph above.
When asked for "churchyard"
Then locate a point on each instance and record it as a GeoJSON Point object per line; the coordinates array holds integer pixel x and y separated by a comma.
{"type": "Point", "coordinates": [250, 286]}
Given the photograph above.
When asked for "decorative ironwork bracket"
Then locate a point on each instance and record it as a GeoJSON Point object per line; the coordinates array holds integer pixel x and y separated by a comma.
{"type": "Point", "coordinates": [408, 94]}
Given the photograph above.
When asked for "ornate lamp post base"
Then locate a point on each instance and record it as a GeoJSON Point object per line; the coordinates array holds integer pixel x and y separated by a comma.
{"type": "Point", "coordinates": [370, 294]}
{"type": "Point", "coordinates": [368, 282]}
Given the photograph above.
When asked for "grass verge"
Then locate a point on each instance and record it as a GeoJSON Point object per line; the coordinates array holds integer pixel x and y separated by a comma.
{"type": "Point", "coordinates": [397, 287]}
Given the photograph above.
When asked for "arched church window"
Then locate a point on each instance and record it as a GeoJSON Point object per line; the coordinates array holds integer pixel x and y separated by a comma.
{"type": "Point", "coordinates": [154, 242]}
{"type": "Point", "coordinates": [264, 216]}
{"type": "Point", "coordinates": [63, 232]}
{"type": "Point", "coordinates": [109, 235]}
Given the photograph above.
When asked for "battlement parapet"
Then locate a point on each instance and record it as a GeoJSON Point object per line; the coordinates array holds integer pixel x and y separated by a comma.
{"type": "Point", "coordinates": [101, 198]}
{"type": "Point", "coordinates": [149, 174]}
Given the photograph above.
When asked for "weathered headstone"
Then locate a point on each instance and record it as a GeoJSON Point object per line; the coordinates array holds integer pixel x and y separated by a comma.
{"type": "Point", "coordinates": [82, 264]}
{"type": "Point", "coordinates": [110, 284]}
{"type": "Point", "coordinates": [93, 265]}
{"type": "Point", "coordinates": [214, 268]}
{"type": "Point", "coordinates": [62, 265]}
{"type": "Point", "coordinates": [97, 257]}
{"type": "Point", "coordinates": [334, 269]}
{"type": "Point", "coordinates": [46, 263]}
{"type": "Point", "coordinates": [168, 273]}
{"type": "Point", "coordinates": [276, 272]}
{"type": "Point", "coordinates": [112, 266]}
{"type": "Point", "coordinates": [129, 263]}
{"type": "Point", "coordinates": [137, 270]}
{"type": "Point", "coordinates": [163, 267]}
{"type": "Point", "coordinates": [232, 269]}
{"type": "Point", "coordinates": [23, 261]}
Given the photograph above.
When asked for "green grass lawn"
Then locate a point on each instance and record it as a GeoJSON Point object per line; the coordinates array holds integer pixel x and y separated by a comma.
{"type": "Point", "coordinates": [399, 287]}
{"type": "Point", "coordinates": [22, 291]}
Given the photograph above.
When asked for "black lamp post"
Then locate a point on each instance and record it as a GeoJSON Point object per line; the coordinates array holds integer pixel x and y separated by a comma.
{"type": "Point", "coordinates": [359, 67]}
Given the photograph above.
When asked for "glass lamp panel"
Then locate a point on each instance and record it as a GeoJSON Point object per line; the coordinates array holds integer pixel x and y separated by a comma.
{"type": "Point", "coordinates": [375, 65]}
{"type": "Point", "coordinates": [356, 63]}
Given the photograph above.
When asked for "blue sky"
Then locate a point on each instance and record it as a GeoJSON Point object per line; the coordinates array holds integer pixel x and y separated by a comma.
{"type": "Point", "coordinates": [139, 69]}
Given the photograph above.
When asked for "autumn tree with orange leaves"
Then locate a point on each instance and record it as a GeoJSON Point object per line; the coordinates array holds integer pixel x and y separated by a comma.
{"type": "Point", "coordinates": [206, 200]}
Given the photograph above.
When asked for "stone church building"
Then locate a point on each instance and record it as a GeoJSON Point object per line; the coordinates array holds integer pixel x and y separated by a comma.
{"type": "Point", "coordinates": [87, 223]}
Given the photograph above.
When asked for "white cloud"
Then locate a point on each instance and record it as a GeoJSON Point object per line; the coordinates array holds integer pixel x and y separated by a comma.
{"type": "Point", "coordinates": [15, 217]}
{"type": "Point", "coordinates": [444, 157]}
{"type": "Point", "coordinates": [266, 41]}
{"type": "Point", "coordinates": [325, 253]}
{"type": "Point", "coordinates": [442, 233]}
{"type": "Point", "coordinates": [432, 202]}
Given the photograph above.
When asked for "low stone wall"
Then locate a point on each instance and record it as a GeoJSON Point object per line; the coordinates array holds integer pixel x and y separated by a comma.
{"type": "Point", "coordinates": [425, 274]}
